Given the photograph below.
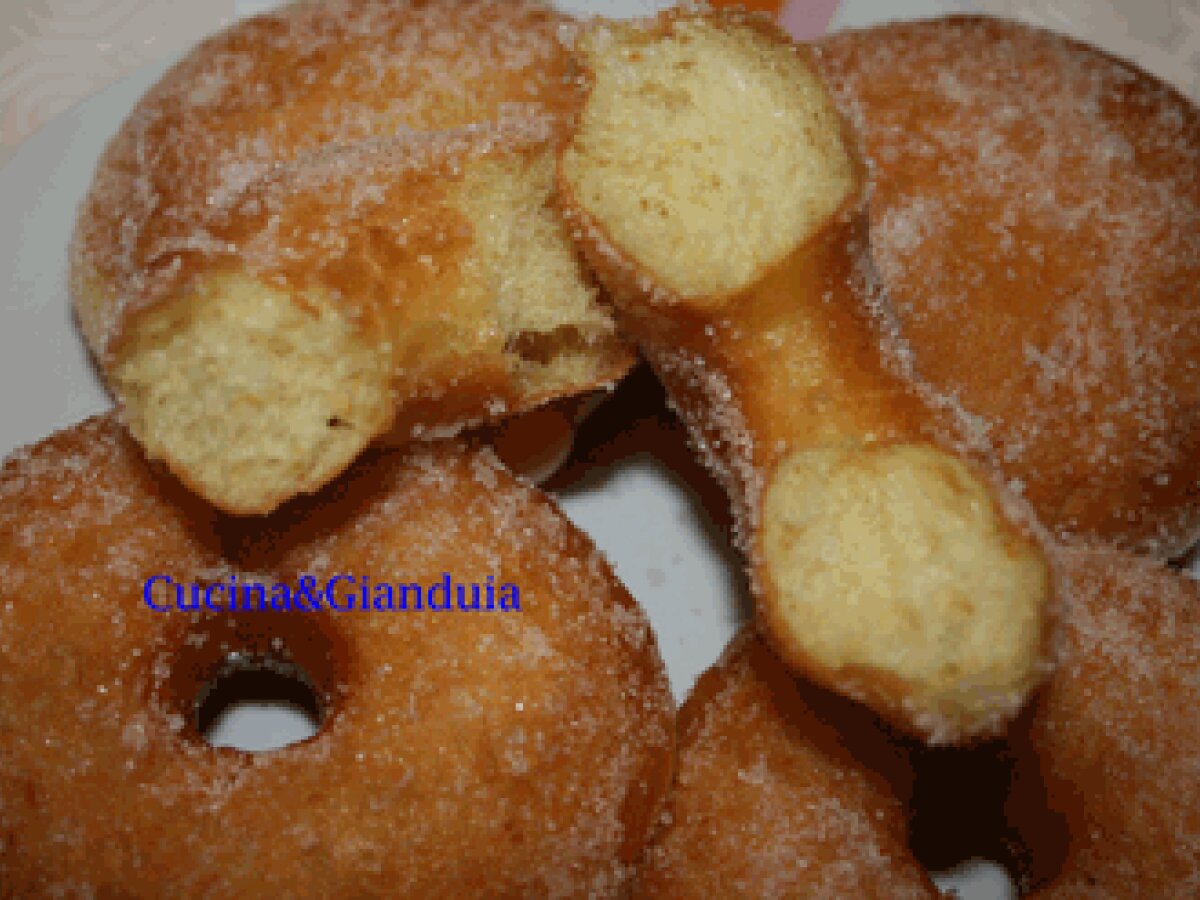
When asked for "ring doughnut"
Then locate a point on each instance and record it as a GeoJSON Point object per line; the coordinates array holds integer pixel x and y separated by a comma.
{"type": "Point", "coordinates": [884, 565]}
{"type": "Point", "coordinates": [1107, 797]}
{"type": "Point", "coordinates": [779, 794]}
{"type": "Point", "coordinates": [512, 753]}
{"type": "Point", "coordinates": [332, 223]}
{"type": "Point", "coordinates": [1035, 218]}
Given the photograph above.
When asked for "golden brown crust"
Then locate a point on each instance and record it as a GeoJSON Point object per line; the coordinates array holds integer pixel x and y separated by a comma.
{"type": "Point", "coordinates": [780, 793]}
{"type": "Point", "coordinates": [282, 90]}
{"type": "Point", "coordinates": [1036, 219]}
{"type": "Point", "coordinates": [685, 344]}
{"type": "Point", "coordinates": [517, 753]}
{"type": "Point", "coordinates": [369, 181]}
{"type": "Point", "coordinates": [745, 414]}
{"type": "Point", "coordinates": [712, 366]}
{"type": "Point", "coordinates": [808, 356]}
{"type": "Point", "coordinates": [1107, 796]}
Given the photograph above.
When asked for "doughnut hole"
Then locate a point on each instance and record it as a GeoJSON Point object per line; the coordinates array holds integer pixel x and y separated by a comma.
{"type": "Point", "coordinates": [257, 705]}
{"type": "Point", "coordinates": [689, 131]}
{"type": "Point", "coordinates": [215, 662]}
{"type": "Point", "coordinates": [892, 565]}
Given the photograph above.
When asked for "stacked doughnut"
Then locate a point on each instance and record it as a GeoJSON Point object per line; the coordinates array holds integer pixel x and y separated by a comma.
{"type": "Point", "coordinates": [1035, 218]}
{"type": "Point", "coordinates": [333, 237]}
{"type": "Point", "coordinates": [724, 206]}
{"type": "Point", "coordinates": [1105, 775]}
{"type": "Point", "coordinates": [331, 224]}
{"type": "Point", "coordinates": [781, 791]}
{"type": "Point", "coordinates": [885, 563]}
{"type": "Point", "coordinates": [509, 753]}
{"type": "Point", "coordinates": [324, 227]}
{"type": "Point", "coordinates": [1037, 226]}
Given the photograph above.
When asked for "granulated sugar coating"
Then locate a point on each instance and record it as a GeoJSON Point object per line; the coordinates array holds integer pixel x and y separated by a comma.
{"type": "Point", "coordinates": [1114, 749]}
{"type": "Point", "coordinates": [1036, 219]}
{"type": "Point", "coordinates": [778, 798]}
{"type": "Point", "coordinates": [885, 564]}
{"type": "Point", "coordinates": [332, 223]}
{"type": "Point", "coordinates": [460, 753]}
{"type": "Point", "coordinates": [276, 89]}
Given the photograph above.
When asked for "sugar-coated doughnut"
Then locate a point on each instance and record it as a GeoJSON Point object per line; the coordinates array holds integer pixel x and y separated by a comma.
{"type": "Point", "coordinates": [1107, 803]}
{"type": "Point", "coordinates": [459, 754]}
{"type": "Point", "coordinates": [715, 191]}
{"type": "Point", "coordinates": [330, 223]}
{"type": "Point", "coordinates": [780, 792]}
{"type": "Point", "coordinates": [1035, 217]}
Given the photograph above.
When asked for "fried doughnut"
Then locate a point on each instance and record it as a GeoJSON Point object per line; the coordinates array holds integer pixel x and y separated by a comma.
{"type": "Point", "coordinates": [772, 801]}
{"type": "Point", "coordinates": [277, 264]}
{"type": "Point", "coordinates": [1108, 792]}
{"type": "Point", "coordinates": [1035, 217]}
{"type": "Point", "coordinates": [720, 201]}
{"type": "Point", "coordinates": [509, 753]}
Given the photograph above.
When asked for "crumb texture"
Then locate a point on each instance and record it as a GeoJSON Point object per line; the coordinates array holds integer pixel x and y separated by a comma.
{"type": "Point", "coordinates": [897, 559]}
{"type": "Point", "coordinates": [685, 141]}
{"type": "Point", "coordinates": [883, 565]}
{"type": "Point", "coordinates": [210, 386]}
{"type": "Point", "coordinates": [388, 167]}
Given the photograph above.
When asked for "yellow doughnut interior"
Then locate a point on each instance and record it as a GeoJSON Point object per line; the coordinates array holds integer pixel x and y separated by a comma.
{"type": "Point", "coordinates": [556, 336]}
{"type": "Point", "coordinates": [895, 558]}
{"type": "Point", "coordinates": [708, 153]}
{"type": "Point", "coordinates": [254, 392]}
{"type": "Point", "coordinates": [251, 397]}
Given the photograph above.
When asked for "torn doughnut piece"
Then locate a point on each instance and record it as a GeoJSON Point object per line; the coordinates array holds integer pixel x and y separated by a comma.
{"type": "Point", "coordinates": [717, 193]}
{"type": "Point", "coordinates": [333, 223]}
